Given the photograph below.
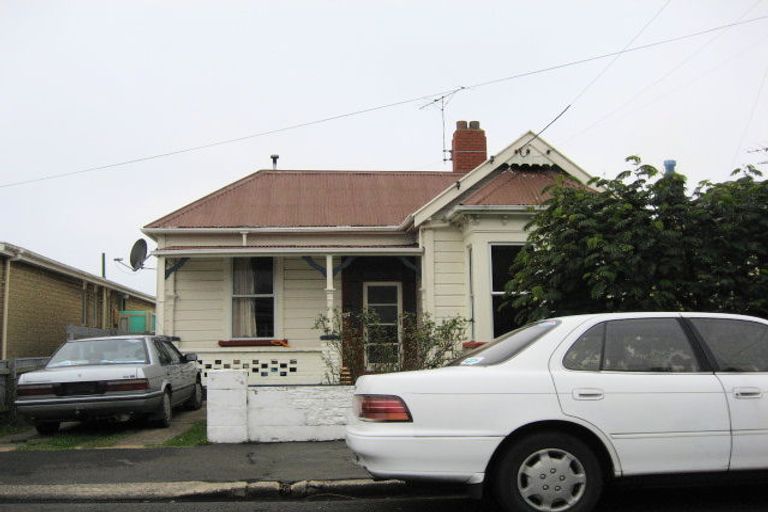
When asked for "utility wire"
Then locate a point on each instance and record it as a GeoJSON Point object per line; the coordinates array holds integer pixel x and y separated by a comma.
{"type": "Point", "coordinates": [677, 67]}
{"type": "Point", "coordinates": [601, 73]}
{"type": "Point", "coordinates": [384, 106]}
{"type": "Point", "coordinates": [751, 115]}
{"type": "Point", "coordinates": [619, 54]}
{"type": "Point", "coordinates": [730, 59]}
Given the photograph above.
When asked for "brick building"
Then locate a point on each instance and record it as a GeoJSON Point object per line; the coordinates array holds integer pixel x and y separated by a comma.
{"type": "Point", "coordinates": [40, 297]}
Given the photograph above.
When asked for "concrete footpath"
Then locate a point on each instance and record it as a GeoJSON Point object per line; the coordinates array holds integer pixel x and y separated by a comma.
{"type": "Point", "coordinates": [276, 470]}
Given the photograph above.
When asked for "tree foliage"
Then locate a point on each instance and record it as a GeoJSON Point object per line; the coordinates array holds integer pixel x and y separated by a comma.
{"type": "Point", "coordinates": [639, 242]}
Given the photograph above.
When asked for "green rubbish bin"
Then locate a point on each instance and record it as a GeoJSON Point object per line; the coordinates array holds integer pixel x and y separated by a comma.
{"type": "Point", "coordinates": [137, 321]}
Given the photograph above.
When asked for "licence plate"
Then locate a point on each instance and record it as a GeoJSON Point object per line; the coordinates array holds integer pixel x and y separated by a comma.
{"type": "Point", "coordinates": [82, 388]}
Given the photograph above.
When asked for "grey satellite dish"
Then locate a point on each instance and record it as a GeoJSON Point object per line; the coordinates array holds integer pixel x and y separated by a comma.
{"type": "Point", "coordinates": [138, 254]}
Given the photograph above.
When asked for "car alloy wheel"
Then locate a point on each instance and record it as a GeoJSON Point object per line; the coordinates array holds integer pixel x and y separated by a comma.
{"type": "Point", "coordinates": [551, 480]}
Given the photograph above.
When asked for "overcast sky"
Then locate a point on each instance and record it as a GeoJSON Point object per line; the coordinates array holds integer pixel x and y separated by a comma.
{"type": "Point", "coordinates": [89, 83]}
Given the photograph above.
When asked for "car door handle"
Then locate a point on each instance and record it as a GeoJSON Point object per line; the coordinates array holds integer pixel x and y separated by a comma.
{"type": "Point", "coordinates": [588, 394]}
{"type": "Point", "coordinates": [747, 393]}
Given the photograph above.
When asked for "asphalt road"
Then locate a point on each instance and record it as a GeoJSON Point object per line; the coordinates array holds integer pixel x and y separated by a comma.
{"type": "Point", "coordinates": [717, 498]}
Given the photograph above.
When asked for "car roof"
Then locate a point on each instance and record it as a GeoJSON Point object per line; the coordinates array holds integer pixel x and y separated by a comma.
{"type": "Point", "coordinates": [655, 314]}
{"type": "Point", "coordinates": [121, 337]}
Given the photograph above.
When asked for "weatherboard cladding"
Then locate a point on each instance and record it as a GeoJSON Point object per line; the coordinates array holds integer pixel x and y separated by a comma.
{"type": "Point", "coordinates": [345, 198]}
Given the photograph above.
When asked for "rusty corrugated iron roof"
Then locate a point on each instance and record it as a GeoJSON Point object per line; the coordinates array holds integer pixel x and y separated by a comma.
{"type": "Point", "coordinates": [312, 199]}
{"type": "Point", "coordinates": [518, 186]}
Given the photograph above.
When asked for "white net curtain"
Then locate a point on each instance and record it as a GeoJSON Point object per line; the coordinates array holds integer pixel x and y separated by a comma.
{"type": "Point", "coordinates": [252, 298]}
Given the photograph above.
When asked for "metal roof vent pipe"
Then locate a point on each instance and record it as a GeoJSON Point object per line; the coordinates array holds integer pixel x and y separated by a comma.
{"type": "Point", "coordinates": [669, 167]}
{"type": "Point", "coordinates": [274, 161]}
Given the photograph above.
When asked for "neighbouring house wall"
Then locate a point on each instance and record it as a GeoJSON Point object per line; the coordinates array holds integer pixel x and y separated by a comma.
{"type": "Point", "coordinates": [41, 305]}
{"type": "Point", "coordinates": [196, 305]}
{"type": "Point", "coordinates": [2, 303]}
{"type": "Point", "coordinates": [137, 304]}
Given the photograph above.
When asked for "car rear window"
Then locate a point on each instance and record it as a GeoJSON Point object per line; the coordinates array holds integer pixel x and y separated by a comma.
{"type": "Point", "coordinates": [101, 351]}
{"type": "Point", "coordinates": [507, 346]}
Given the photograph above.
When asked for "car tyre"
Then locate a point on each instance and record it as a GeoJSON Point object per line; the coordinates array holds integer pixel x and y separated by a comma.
{"type": "Point", "coordinates": [548, 471]}
{"type": "Point", "coordinates": [47, 428]}
{"type": "Point", "coordinates": [162, 418]}
{"type": "Point", "coordinates": [195, 401]}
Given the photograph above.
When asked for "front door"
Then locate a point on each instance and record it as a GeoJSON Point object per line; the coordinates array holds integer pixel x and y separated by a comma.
{"type": "Point", "coordinates": [645, 385]}
{"type": "Point", "coordinates": [383, 337]}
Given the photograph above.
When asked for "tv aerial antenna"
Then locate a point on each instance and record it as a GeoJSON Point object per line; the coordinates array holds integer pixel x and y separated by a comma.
{"type": "Point", "coordinates": [443, 102]}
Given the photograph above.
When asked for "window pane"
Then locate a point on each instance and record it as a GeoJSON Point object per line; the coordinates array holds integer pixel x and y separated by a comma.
{"type": "Point", "coordinates": [253, 318]}
{"type": "Point", "coordinates": [382, 295]}
{"type": "Point", "coordinates": [585, 353]}
{"type": "Point", "coordinates": [502, 257]}
{"type": "Point", "coordinates": [648, 345]}
{"type": "Point", "coordinates": [162, 353]}
{"type": "Point", "coordinates": [252, 276]}
{"type": "Point", "coordinates": [104, 351]}
{"type": "Point", "coordinates": [378, 354]}
{"type": "Point", "coordinates": [382, 334]}
{"type": "Point", "coordinates": [506, 347]}
{"type": "Point", "coordinates": [503, 317]}
{"type": "Point", "coordinates": [385, 314]}
{"type": "Point", "coordinates": [172, 352]}
{"type": "Point", "coordinates": [738, 345]}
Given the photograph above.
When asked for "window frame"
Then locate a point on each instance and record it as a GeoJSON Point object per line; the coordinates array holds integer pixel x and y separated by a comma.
{"type": "Point", "coordinates": [274, 295]}
{"type": "Point", "coordinates": [699, 350]}
{"type": "Point", "coordinates": [494, 293]}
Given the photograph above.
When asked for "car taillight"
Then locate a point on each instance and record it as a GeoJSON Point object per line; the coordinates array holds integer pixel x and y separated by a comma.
{"type": "Point", "coordinates": [382, 408]}
{"type": "Point", "coordinates": [34, 389]}
{"type": "Point", "coordinates": [127, 385]}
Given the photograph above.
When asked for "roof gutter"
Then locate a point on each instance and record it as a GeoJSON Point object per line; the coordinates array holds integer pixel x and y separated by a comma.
{"type": "Point", "coordinates": [289, 251]}
{"type": "Point", "coordinates": [20, 254]}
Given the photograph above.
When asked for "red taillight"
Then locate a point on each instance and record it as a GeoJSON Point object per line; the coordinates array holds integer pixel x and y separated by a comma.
{"type": "Point", "coordinates": [382, 408]}
{"type": "Point", "coordinates": [34, 389]}
{"type": "Point", "coordinates": [127, 385]}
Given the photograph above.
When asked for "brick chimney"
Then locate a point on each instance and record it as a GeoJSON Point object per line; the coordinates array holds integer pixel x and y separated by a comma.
{"type": "Point", "coordinates": [469, 148]}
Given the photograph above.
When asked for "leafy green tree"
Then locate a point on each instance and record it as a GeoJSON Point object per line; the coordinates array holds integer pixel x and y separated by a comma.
{"type": "Point", "coordinates": [639, 242]}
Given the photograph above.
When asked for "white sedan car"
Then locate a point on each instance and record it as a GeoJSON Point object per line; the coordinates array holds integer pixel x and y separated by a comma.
{"type": "Point", "coordinates": [545, 415]}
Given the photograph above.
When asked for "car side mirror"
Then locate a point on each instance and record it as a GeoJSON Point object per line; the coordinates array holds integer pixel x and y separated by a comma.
{"type": "Point", "coordinates": [190, 357]}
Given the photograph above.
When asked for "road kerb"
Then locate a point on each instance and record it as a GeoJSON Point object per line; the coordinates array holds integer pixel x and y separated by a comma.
{"type": "Point", "coordinates": [191, 490]}
{"type": "Point", "coordinates": [122, 491]}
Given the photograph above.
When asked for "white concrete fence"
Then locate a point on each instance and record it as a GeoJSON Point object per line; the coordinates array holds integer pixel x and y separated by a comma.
{"type": "Point", "coordinates": [238, 413]}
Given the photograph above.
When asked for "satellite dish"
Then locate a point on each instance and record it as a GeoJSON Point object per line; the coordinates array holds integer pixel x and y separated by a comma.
{"type": "Point", "coordinates": [138, 254]}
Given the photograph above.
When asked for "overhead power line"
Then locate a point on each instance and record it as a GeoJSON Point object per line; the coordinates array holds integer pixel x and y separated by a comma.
{"type": "Point", "coordinates": [382, 107]}
{"type": "Point", "coordinates": [601, 73]}
{"type": "Point", "coordinates": [674, 69]}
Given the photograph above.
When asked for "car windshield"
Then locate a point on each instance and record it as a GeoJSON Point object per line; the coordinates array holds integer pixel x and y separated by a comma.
{"type": "Point", "coordinates": [506, 346]}
{"type": "Point", "coordinates": [103, 351]}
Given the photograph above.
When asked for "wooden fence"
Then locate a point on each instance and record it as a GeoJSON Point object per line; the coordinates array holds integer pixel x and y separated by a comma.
{"type": "Point", "coordinates": [9, 374]}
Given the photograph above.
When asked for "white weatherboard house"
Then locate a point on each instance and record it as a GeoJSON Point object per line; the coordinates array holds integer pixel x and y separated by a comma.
{"type": "Point", "coordinates": [245, 271]}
